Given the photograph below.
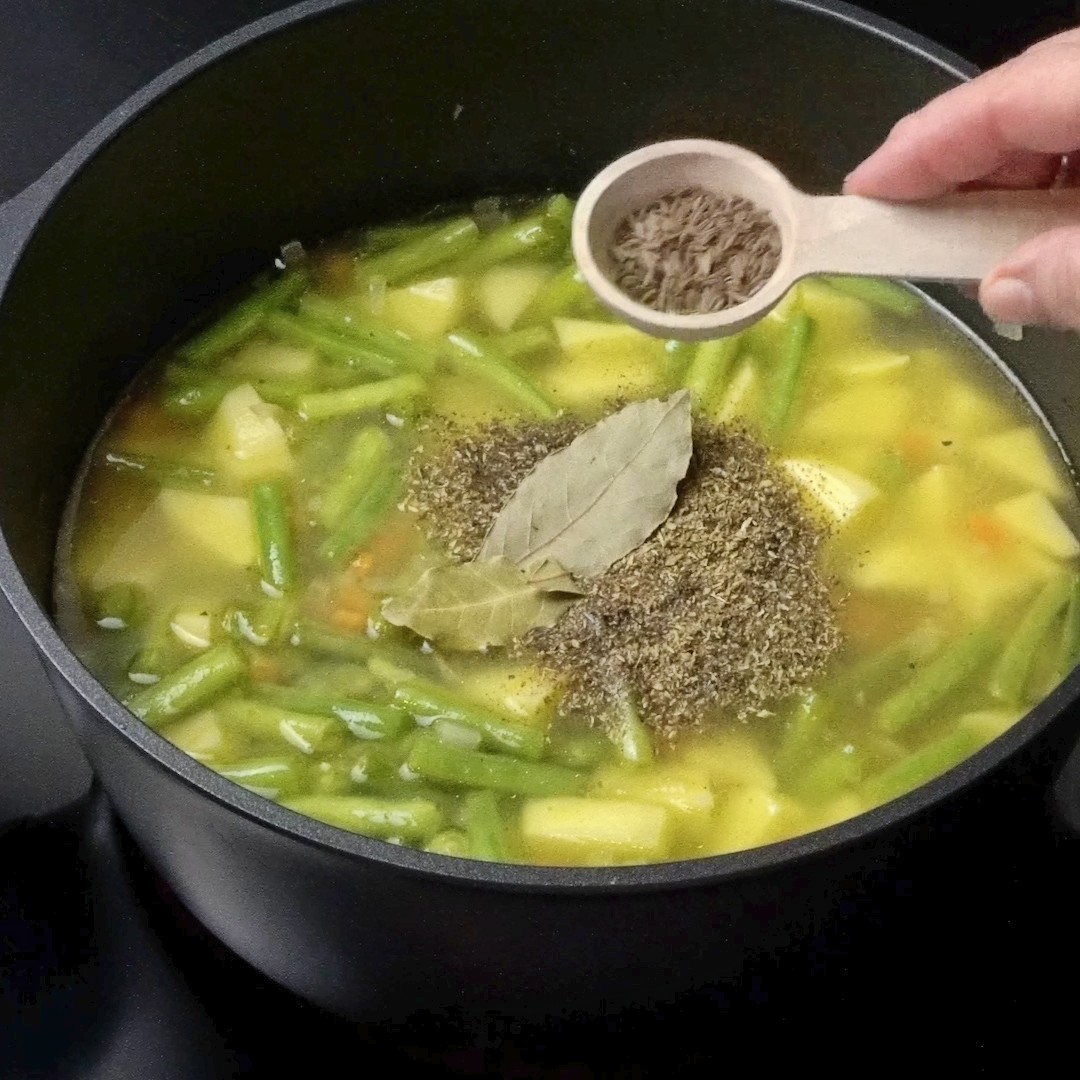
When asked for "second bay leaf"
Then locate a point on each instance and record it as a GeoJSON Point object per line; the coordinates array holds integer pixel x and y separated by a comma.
{"type": "Point", "coordinates": [475, 604]}
{"type": "Point", "coordinates": [594, 501]}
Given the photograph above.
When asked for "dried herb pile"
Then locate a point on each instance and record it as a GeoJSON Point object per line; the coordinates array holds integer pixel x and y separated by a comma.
{"type": "Point", "coordinates": [722, 606]}
{"type": "Point", "coordinates": [692, 252]}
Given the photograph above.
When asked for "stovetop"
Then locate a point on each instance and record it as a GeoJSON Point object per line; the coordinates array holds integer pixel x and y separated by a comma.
{"type": "Point", "coordinates": [103, 974]}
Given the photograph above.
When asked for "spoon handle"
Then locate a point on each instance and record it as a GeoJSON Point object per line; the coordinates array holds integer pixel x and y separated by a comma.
{"type": "Point", "coordinates": [954, 238]}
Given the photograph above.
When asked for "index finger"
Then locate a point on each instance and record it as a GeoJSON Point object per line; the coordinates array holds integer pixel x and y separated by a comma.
{"type": "Point", "coordinates": [1004, 122]}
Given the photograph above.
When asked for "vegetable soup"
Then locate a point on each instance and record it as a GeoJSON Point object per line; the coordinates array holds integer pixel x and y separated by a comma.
{"type": "Point", "coordinates": [417, 540]}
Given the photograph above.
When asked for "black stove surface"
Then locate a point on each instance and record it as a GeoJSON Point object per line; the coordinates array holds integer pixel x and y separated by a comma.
{"type": "Point", "coordinates": [103, 975]}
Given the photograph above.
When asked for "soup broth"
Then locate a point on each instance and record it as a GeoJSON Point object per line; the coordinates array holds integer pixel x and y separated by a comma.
{"type": "Point", "coordinates": [245, 513]}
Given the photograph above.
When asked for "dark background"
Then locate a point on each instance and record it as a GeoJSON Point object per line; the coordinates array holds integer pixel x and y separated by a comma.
{"type": "Point", "coordinates": [103, 976]}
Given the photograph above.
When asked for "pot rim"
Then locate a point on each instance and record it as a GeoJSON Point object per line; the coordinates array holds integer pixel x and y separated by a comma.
{"type": "Point", "coordinates": [648, 877]}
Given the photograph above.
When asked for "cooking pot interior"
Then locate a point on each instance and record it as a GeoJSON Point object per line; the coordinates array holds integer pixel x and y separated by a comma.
{"type": "Point", "coordinates": [365, 111]}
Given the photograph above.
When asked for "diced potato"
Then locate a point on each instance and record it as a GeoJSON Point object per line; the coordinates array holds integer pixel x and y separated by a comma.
{"type": "Point", "coordinates": [426, 310]}
{"type": "Point", "coordinates": [272, 360]}
{"type": "Point", "coordinates": [839, 319]}
{"type": "Point", "coordinates": [219, 524]}
{"type": "Point", "coordinates": [1019, 454]}
{"type": "Point", "coordinates": [834, 490]}
{"type": "Point", "coordinates": [600, 361]}
{"type": "Point", "coordinates": [246, 438]}
{"type": "Point", "coordinates": [504, 292]}
{"type": "Point", "coordinates": [523, 693]}
{"type": "Point", "coordinates": [875, 411]}
{"type": "Point", "coordinates": [932, 501]}
{"type": "Point", "coordinates": [842, 808]}
{"type": "Point", "coordinates": [868, 362]}
{"type": "Point", "coordinates": [745, 818]}
{"type": "Point", "coordinates": [731, 758]}
{"type": "Point", "coordinates": [137, 555]}
{"type": "Point", "coordinates": [192, 628]}
{"type": "Point", "coordinates": [200, 735]}
{"type": "Point", "coordinates": [988, 724]}
{"type": "Point", "coordinates": [581, 831]}
{"type": "Point", "coordinates": [1032, 517]}
{"type": "Point", "coordinates": [903, 565]}
{"type": "Point", "coordinates": [684, 789]}
{"type": "Point", "coordinates": [964, 410]}
{"type": "Point", "coordinates": [984, 581]}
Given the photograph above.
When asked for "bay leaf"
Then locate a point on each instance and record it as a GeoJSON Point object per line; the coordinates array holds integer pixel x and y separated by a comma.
{"type": "Point", "coordinates": [476, 604]}
{"type": "Point", "coordinates": [548, 575]}
{"type": "Point", "coordinates": [594, 501]}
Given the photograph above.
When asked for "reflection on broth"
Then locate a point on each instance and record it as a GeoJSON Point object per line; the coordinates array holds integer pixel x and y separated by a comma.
{"type": "Point", "coordinates": [252, 504]}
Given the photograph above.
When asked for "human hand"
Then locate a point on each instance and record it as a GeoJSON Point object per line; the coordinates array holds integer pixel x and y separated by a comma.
{"type": "Point", "coordinates": [1010, 127]}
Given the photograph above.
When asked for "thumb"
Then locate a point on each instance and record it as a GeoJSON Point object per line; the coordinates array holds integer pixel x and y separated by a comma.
{"type": "Point", "coordinates": [1039, 282]}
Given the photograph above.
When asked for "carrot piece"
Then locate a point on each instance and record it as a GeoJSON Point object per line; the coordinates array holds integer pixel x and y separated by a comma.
{"type": "Point", "coordinates": [987, 531]}
{"type": "Point", "coordinates": [263, 668]}
{"type": "Point", "coordinates": [348, 619]}
{"type": "Point", "coordinates": [916, 446]}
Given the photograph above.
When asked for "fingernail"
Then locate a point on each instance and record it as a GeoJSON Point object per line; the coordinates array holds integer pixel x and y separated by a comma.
{"type": "Point", "coordinates": [1010, 300]}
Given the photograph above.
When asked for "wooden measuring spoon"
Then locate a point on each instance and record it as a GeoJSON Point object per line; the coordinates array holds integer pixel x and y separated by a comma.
{"type": "Point", "coordinates": [957, 238]}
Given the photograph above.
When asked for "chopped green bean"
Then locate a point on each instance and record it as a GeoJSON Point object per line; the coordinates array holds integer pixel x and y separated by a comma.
{"type": "Point", "coordinates": [270, 622]}
{"type": "Point", "coordinates": [241, 321]}
{"type": "Point", "coordinates": [366, 460]}
{"type": "Point", "coordinates": [359, 399]}
{"type": "Point", "coordinates": [274, 777]}
{"type": "Point", "coordinates": [420, 254]}
{"type": "Point", "coordinates": [305, 732]}
{"type": "Point", "coordinates": [582, 751]}
{"type": "Point", "coordinates": [629, 734]}
{"type": "Point", "coordinates": [435, 759]}
{"type": "Point", "coordinates": [536, 234]}
{"type": "Point", "coordinates": [785, 377]}
{"type": "Point", "coordinates": [880, 292]}
{"type": "Point", "coordinates": [709, 368]}
{"type": "Point", "coordinates": [449, 842]}
{"type": "Point", "coordinates": [1010, 675]}
{"type": "Point", "coordinates": [119, 607]}
{"type": "Point", "coordinates": [277, 555]}
{"type": "Point", "coordinates": [358, 524]}
{"type": "Point", "coordinates": [804, 731]}
{"type": "Point", "coordinates": [566, 293]}
{"type": "Point", "coordinates": [828, 775]}
{"type": "Point", "coordinates": [364, 719]}
{"type": "Point", "coordinates": [332, 346]}
{"type": "Point", "coordinates": [957, 662]}
{"type": "Point", "coordinates": [475, 360]}
{"type": "Point", "coordinates": [379, 238]}
{"type": "Point", "coordinates": [170, 474]}
{"type": "Point", "coordinates": [517, 343]}
{"type": "Point", "coordinates": [922, 766]}
{"type": "Point", "coordinates": [386, 819]}
{"type": "Point", "coordinates": [484, 830]}
{"type": "Point", "coordinates": [316, 638]}
{"type": "Point", "coordinates": [191, 686]}
{"type": "Point", "coordinates": [429, 702]}
{"type": "Point", "coordinates": [194, 401]}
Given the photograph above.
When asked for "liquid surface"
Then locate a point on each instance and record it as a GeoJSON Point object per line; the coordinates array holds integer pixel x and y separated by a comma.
{"type": "Point", "coordinates": [238, 526]}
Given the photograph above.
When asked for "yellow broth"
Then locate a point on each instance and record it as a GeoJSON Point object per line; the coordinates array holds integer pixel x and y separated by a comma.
{"type": "Point", "coordinates": [949, 510]}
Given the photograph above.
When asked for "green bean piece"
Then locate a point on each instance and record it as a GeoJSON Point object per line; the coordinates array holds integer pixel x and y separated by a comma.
{"type": "Point", "coordinates": [517, 343]}
{"type": "Point", "coordinates": [191, 686]}
{"type": "Point", "coordinates": [677, 358]}
{"type": "Point", "coordinates": [958, 661]}
{"type": "Point", "coordinates": [924, 765]}
{"type": "Point", "coordinates": [879, 292]}
{"type": "Point", "coordinates": [485, 832]}
{"type": "Point", "coordinates": [360, 399]}
{"type": "Point", "coordinates": [346, 680]}
{"type": "Point", "coordinates": [330, 345]}
{"type": "Point", "coordinates": [270, 622]}
{"type": "Point", "coordinates": [628, 732]}
{"type": "Point", "coordinates": [366, 460]}
{"type": "Point", "coordinates": [364, 719]}
{"type": "Point", "coordinates": [269, 723]}
{"type": "Point", "coordinates": [242, 320]}
{"type": "Point", "coordinates": [581, 751]}
{"type": "Point", "coordinates": [1011, 674]}
{"type": "Point", "coordinates": [360, 522]}
{"type": "Point", "coordinates": [537, 234]}
{"type": "Point", "coordinates": [710, 366]}
{"type": "Point", "coordinates": [277, 554]}
{"type": "Point", "coordinates": [393, 671]}
{"type": "Point", "coordinates": [449, 842]}
{"type": "Point", "coordinates": [565, 294]}
{"type": "Point", "coordinates": [378, 238]}
{"type": "Point", "coordinates": [367, 332]}
{"type": "Point", "coordinates": [448, 764]}
{"type": "Point", "coordinates": [386, 819]}
{"type": "Point", "coordinates": [559, 208]}
{"type": "Point", "coordinates": [804, 731]}
{"type": "Point", "coordinates": [1069, 649]}
{"type": "Point", "coordinates": [429, 702]}
{"type": "Point", "coordinates": [274, 777]}
{"type": "Point", "coordinates": [119, 607]}
{"type": "Point", "coordinates": [324, 641]}
{"type": "Point", "coordinates": [160, 653]}
{"type": "Point", "coordinates": [420, 254]}
{"type": "Point", "coordinates": [785, 377]}
{"type": "Point", "coordinates": [471, 358]}
{"type": "Point", "coordinates": [828, 775]}
{"type": "Point", "coordinates": [169, 474]}
{"type": "Point", "coordinates": [194, 401]}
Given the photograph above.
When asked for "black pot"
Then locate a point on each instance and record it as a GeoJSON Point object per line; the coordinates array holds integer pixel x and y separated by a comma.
{"type": "Point", "coordinates": [335, 113]}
